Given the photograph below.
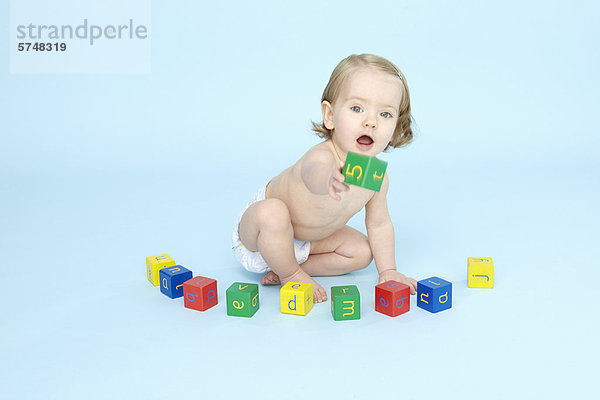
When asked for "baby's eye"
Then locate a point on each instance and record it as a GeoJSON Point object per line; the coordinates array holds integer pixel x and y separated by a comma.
{"type": "Point", "coordinates": [386, 114]}
{"type": "Point", "coordinates": [356, 108]}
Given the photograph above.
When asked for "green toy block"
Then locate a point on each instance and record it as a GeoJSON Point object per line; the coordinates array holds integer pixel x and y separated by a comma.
{"type": "Point", "coordinates": [242, 299]}
{"type": "Point", "coordinates": [364, 171]}
{"type": "Point", "coordinates": [345, 303]}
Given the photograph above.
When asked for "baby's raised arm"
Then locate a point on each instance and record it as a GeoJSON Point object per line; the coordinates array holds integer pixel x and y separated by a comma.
{"type": "Point", "coordinates": [321, 175]}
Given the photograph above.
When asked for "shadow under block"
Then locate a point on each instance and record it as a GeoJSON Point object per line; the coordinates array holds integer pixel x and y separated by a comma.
{"type": "Point", "coordinates": [434, 294]}
{"type": "Point", "coordinates": [392, 298]}
{"type": "Point", "coordinates": [481, 272]}
{"type": "Point", "coordinates": [172, 279]}
{"type": "Point", "coordinates": [154, 264]}
{"type": "Point", "coordinates": [200, 293]}
{"type": "Point", "coordinates": [242, 299]}
{"type": "Point", "coordinates": [364, 171]}
{"type": "Point", "coordinates": [345, 303]}
{"type": "Point", "coordinates": [296, 298]}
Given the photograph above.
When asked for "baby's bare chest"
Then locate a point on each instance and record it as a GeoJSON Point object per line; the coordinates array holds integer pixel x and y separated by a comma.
{"type": "Point", "coordinates": [317, 216]}
{"type": "Point", "coordinates": [326, 208]}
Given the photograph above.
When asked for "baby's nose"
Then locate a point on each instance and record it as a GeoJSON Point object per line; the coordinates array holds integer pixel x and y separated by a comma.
{"type": "Point", "coordinates": [370, 119]}
{"type": "Point", "coordinates": [370, 123]}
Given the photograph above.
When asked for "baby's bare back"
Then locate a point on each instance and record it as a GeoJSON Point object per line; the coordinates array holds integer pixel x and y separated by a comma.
{"type": "Point", "coordinates": [315, 217]}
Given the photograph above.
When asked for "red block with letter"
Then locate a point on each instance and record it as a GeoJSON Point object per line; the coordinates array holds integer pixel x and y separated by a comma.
{"type": "Point", "coordinates": [392, 298]}
{"type": "Point", "coordinates": [200, 293]}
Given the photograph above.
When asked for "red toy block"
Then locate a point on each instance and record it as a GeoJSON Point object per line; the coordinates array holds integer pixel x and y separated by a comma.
{"type": "Point", "coordinates": [392, 298]}
{"type": "Point", "coordinates": [200, 293]}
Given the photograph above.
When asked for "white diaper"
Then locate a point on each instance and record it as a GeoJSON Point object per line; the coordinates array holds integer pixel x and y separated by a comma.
{"type": "Point", "coordinates": [252, 260]}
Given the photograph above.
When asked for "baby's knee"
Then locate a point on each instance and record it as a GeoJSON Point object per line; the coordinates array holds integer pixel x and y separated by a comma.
{"type": "Point", "coordinates": [273, 214]}
{"type": "Point", "coordinates": [364, 255]}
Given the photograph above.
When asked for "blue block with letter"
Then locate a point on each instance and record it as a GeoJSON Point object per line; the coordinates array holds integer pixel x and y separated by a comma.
{"type": "Point", "coordinates": [171, 280]}
{"type": "Point", "coordinates": [434, 294]}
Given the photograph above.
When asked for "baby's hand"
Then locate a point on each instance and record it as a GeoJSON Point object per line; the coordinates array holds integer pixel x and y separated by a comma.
{"type": "Point", "coordinates": [393, 275]}
{"type": "Point", "coordinates": [336, 183]}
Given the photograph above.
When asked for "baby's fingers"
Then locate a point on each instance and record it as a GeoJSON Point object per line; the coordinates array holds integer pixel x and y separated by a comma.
{"type": "Point", "coordinates": [339, 178]}
{"type": "Point", "coordinates": [333, 194]}
{"type": "Point", "coordinates": [413, 286]}
{"type": "Point", "coordinates": [339, 187]}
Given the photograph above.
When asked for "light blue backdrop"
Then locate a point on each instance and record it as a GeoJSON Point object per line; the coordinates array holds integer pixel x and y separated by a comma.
{"type": "Point", "coordinates": [99, 171]}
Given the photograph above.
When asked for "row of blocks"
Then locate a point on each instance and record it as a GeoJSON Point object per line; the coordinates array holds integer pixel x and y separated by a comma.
{"type": "Point", "coordinates": [391, 298]}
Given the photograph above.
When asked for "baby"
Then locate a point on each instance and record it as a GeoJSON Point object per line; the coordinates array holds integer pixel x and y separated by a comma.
{"type": "Point", "coordinates": [295, 226]}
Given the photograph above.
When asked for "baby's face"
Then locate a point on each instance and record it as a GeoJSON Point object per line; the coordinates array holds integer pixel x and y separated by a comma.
{"type": "Point", "coordinates": [364, 115]}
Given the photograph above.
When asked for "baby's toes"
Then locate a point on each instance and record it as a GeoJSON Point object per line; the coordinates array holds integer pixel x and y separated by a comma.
{"type": "Point", "coordinates": [315, 296]}
{"type": "Point", "coordinates": [321, 295]}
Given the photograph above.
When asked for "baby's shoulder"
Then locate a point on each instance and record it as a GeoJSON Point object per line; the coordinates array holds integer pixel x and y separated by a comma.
{"type": "Point", "coordinates": [321, 153]}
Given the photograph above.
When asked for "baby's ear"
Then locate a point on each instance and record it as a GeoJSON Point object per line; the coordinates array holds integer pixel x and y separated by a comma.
{"type": "Point", "coordinates": [327, 110]}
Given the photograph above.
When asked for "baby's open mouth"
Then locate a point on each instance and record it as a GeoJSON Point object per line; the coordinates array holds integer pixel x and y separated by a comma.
{"type": "Point", "coordinates": [365, 140]}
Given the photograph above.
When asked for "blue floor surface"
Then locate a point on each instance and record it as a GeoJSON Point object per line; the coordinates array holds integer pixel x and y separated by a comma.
{"type": "Point", "coordinates": [80, 318]}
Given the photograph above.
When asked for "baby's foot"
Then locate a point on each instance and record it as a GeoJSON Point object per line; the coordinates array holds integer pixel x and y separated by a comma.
{"type": "Point", "coordinates": [319, 294]}
{"type": "Point", "coordinates": [271, 278]}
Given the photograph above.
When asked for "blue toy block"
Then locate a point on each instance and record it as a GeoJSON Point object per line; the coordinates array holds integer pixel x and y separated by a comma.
{"type": "Point", "coordinates": [171, 280]}
{"type": "Point", "coordinates": [434, 294]}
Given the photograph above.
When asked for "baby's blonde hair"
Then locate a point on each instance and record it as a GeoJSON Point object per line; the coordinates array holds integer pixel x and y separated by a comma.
{"type": "Point", "coordinates": [403, 133]}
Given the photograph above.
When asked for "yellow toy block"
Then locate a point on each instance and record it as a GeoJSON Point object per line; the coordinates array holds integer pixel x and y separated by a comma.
{"type": "Point", "coordinates": [481, 272]}
{"type": "Point", "coordinates": [154, 264]}
{"type": "Point", "coordinates": [296, 298]}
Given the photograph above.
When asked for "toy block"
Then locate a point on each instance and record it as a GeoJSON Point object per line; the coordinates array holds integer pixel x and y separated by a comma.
{"type": "Point", "coordinates": [392, 298]}
{"type": "Point", "coordinates": [172, 279]}
{"type": "Point", "coordinates": [200, 293]}
{"type": "Point", "coordinates": [242, 299]}
{"type": "Point", "coordinates": [345, 303]}
{"type": "Point", "coordinates": [364, 171]}
{"type": "Point", "coordinates": [296, 298]}
{"type": "Point", "coordinates": [481, 272]}
{"type": "Point", "coordinates": [154, 264]}
{"type": "Point", "coordinates": [434, 294]}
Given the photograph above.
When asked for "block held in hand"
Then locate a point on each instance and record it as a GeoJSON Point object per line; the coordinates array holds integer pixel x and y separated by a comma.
{"type": "Point", "coordinates": [364, 171]}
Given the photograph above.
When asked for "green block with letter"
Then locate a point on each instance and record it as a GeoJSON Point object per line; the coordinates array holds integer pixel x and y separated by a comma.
{"type": "Point", "coordinates": [242, 299]}
{"type": "Point", "coordinates": [364, 171]}
{"type": "Point", "coordinates": [345, 303]}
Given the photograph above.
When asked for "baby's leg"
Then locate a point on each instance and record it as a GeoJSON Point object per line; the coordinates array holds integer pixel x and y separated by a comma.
{"type": "Point", "coordinates": [344, 251]}
{"type": "Point", "coordinates": [266, 226]}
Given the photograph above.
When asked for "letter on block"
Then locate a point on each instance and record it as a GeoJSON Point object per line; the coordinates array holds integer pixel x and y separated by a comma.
{"type": "Point", "coordinates": [481, 272]}
{"type": "Point", "coordinates": [242, 299]}
{"type": "Point", "coordinates": [154, 264]}
{"type": "Point", "coordinates": [364, 171]}
{"type": "Point", "coordinates": [345, 303]}
{"type": "Point", "coordinates": [200, 293]}
{"type": "Point", "coordinates": [434, 294]}
{"type": "Point", "coordinates": [392, 298]}
{"type": "Point", "coordinates": [172, 279]}
{"type": "Point", "coordinates": [296, 298]}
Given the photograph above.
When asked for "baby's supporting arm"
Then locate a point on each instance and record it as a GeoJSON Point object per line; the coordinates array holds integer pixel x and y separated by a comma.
{"type": "Point", "coordinates": [321, 176]}
{"type": "Point", "coordinates": [380, 231]}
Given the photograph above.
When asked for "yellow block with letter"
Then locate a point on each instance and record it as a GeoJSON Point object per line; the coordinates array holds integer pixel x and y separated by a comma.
{"type": "Point", "coordinates": [481, 272]}
{"type": "Point", "coordinates": [296, 298]}
{"type": "Point", "coordinates": [154, 264]}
